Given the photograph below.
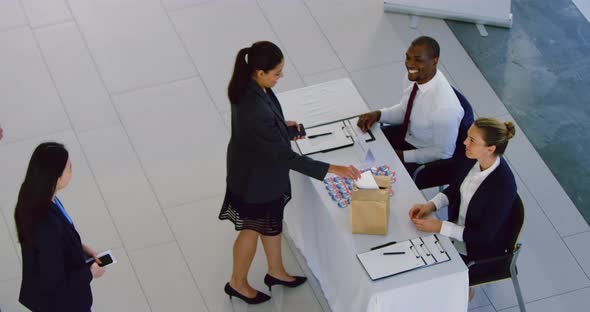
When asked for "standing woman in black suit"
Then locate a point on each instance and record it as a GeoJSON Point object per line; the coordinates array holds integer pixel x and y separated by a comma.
{"type": "Point", "coordinates": [55, 276]}
{"type": "Point", "coordinates": [259, 158]}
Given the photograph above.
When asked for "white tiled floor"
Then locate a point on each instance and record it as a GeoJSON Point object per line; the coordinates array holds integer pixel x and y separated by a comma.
{"type": "Point", "coordinates": [136, 89]}
{"type": "Point", "coordinates": [46, 12]}
{"type": "Point", "coordinates": [12, 14]}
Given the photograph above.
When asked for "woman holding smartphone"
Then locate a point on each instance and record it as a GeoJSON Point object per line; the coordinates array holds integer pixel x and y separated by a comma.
{"type": "Point", "coordinates": [259, 158]}
{"type": "Point", "coordinates": [55, 276]}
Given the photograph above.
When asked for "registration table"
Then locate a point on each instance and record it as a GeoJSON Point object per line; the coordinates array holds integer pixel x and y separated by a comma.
{"type": "Point", "coordinates": [322, 231]}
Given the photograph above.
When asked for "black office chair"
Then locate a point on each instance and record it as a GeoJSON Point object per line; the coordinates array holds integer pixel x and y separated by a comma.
{"type": "Point", "coordinates": [440, 172]}
{"type": "Point", "coordinates": [504, 266]}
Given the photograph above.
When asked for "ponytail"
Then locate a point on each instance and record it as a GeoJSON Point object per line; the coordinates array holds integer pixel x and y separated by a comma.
{"type": "Point", "coordinates": [262, 55]}
{"type": "Point", "coordinates": [240, 78]}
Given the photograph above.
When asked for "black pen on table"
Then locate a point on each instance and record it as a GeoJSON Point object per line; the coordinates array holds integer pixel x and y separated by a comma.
{"type": "Point", "coordinates": [394, 253]}
{"type": "Point", "coordinates": [318, 135]}
{"type": "Point", "coordinates": [384, 245]}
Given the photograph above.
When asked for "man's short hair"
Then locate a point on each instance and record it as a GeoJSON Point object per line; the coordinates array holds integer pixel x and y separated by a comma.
{"type": "Point", "coordinates": [430, 43]}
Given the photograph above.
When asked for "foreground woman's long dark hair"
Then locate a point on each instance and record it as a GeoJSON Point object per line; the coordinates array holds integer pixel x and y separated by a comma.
{"type": "Point", "coordinates": [45, 167]}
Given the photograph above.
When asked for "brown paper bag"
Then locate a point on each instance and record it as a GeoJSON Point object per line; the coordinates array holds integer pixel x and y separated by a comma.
{"type": "Point", "coordinates": [369, 209]}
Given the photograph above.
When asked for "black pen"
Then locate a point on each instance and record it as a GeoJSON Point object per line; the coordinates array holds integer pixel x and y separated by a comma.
{"type": "Point", "coordinates": [318, 135]}
{"type": "Point", "coordinates": [394, 253]}
{"type": "Point", "coordinates": [384, 245]}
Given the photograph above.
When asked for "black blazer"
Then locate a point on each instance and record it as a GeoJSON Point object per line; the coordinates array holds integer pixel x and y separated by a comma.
{"type": "Point", "coordinates": [259, 154]}
{"type": "Point", "coordinates": [55, 276]}
{"type": "Point", "coordinates": [487, 227]}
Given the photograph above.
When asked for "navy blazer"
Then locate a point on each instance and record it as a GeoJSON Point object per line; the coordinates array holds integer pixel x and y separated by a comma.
{"type": "Point", "coordinates": [259, 154]}
{"type": "Point", "coordinates": [55, 276]}
{"type": "Point", "coordinates": [487, 227]}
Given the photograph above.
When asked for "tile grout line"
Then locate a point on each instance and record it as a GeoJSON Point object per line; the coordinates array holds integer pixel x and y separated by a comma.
{"type": "Point", "coordinates": [319, 26]}
{"type": "Point", "coordinates": [488, 297]}
{"type": "Point", "coordinates": [53, 24]}
{"type": "Point", "coordinates": [483, 306]}
{"type": "Point", "coordinates": [13, 243]}
{"type": "Point", "coordinates": [194, 201]}
{"type": "Point", "coordinates": [181, 251]}
{"type": "Point", "coordinates": [303, 81]}
{"type": "Point", "coordinates": [10, 236]}
{"type": "Point", "coordinates": [192, 61]}
{"type": "Point", "coordinates": [286, 55]}
{"type": "Point", "coordinates": [549, 297]}
{"type": "Point", "coordinates": [297, 255]}
{"type": "Point", "coordinates": [528, 189]}
{"type": "Point", "coordinates": [579, 233]}
{"type": "Point", "coordinates": [149, 246]}
{"type": "Point", "coordinates": [89, 164]}
{"type": "Point", "coordinates": [15, 27]}
{"type": "Point", "coordinates": [186, 6]}
{"type": "Point", "coordinates": [151, 86]}
{"type": "Point", "coordinates": [299, 72]}
{"type": "Point", "coordinates": [348, 72]}
{"type": "Point", "coordinates": [100, 76]}
{"type": "Point", "coordinates": [549, 220]}
{"type": "Point", "coordinates": [35, 136]}
{"type": "Point", "coordinates": [532, 195]}
{"type": "Point", "coordinates": [577, 261]}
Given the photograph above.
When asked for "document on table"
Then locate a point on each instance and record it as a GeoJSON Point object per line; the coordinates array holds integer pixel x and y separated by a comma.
{"type": "Point", "coordinates": [368, 136]}
{"type": "Point", "coordinates": [367, 181]}
{"type": "Point", "coordinates": [325, 138]}
{"type": "Point", "coordinates": [332, 136]}
{"type": "Point", "coordinates": [403, 257]}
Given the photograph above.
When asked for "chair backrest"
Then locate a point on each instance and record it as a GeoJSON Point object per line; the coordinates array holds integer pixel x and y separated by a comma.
{"type": "Point", "coordinates": [466, 122]}
{"type": "Point", "coordinates": [516, 223]}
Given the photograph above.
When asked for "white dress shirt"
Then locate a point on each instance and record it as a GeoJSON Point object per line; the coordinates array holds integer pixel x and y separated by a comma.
{"type": "Point", "coordinates": [470, 184]}
{"type": "Point", "coordinates": [434, 120]}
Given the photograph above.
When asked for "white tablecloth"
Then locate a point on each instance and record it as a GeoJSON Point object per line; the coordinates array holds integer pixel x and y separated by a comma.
{"type": "Point", "coordinates": [322, 233]}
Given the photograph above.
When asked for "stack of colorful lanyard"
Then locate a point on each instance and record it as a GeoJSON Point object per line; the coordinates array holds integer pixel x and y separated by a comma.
{"type": "Point", "coordinates": [340, 189]}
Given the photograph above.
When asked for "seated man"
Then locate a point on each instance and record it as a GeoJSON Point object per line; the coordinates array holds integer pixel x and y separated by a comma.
{"type": "Point", "coordinates": [425, 124]}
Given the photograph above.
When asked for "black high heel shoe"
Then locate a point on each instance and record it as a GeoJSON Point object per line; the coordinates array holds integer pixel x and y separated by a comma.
{"type": "Point", "coordinates": [260, 296]}
{"type": "Point", "coordinates": [270, 281]}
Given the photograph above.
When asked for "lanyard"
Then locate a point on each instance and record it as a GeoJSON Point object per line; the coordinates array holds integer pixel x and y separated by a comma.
{"type": "Point", "coordinates": [61, 207]}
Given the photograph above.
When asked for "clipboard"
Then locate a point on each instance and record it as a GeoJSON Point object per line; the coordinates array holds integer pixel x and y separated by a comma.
{"type": "Point", "coordinates": [407, 256]}
{"type": "Point", "coordinates": [331, 136]}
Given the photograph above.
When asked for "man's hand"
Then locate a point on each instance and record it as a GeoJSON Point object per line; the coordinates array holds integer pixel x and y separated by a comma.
{"type": "Point", "coordinates": [367, 120]}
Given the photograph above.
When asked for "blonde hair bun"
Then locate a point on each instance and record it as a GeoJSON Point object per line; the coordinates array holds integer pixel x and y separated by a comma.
{"type": "Point", "coordinates": [510, 129]}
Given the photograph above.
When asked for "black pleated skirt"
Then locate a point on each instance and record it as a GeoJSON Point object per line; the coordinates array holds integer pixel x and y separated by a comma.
{"type": "Point", "coordinates": [264, 218]}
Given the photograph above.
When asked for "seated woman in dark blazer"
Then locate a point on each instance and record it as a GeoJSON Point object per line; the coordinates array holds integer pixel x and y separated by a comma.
{"type": "Point", "coordinates": [481, 198]}
{"type": "Point", "coordinates": [259, 158]}
{"type": "Point", "coordinates": [55, 275]}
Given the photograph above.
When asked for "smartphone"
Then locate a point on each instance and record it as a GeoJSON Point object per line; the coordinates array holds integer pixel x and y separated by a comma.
{"type": "Point", "coordinates": [293, 131]}
{"type": "Point", "coordinates": [106, 258]}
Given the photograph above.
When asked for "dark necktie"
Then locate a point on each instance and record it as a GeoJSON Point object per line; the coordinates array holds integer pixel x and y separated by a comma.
{"type": "Point", "coordinates": [409, 110]}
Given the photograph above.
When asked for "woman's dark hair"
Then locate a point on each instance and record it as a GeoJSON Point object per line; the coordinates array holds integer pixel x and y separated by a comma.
{"type": "Point", "coordinates": [262, 55]}
{"type": "Point", "coordinates": [47, 164]}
